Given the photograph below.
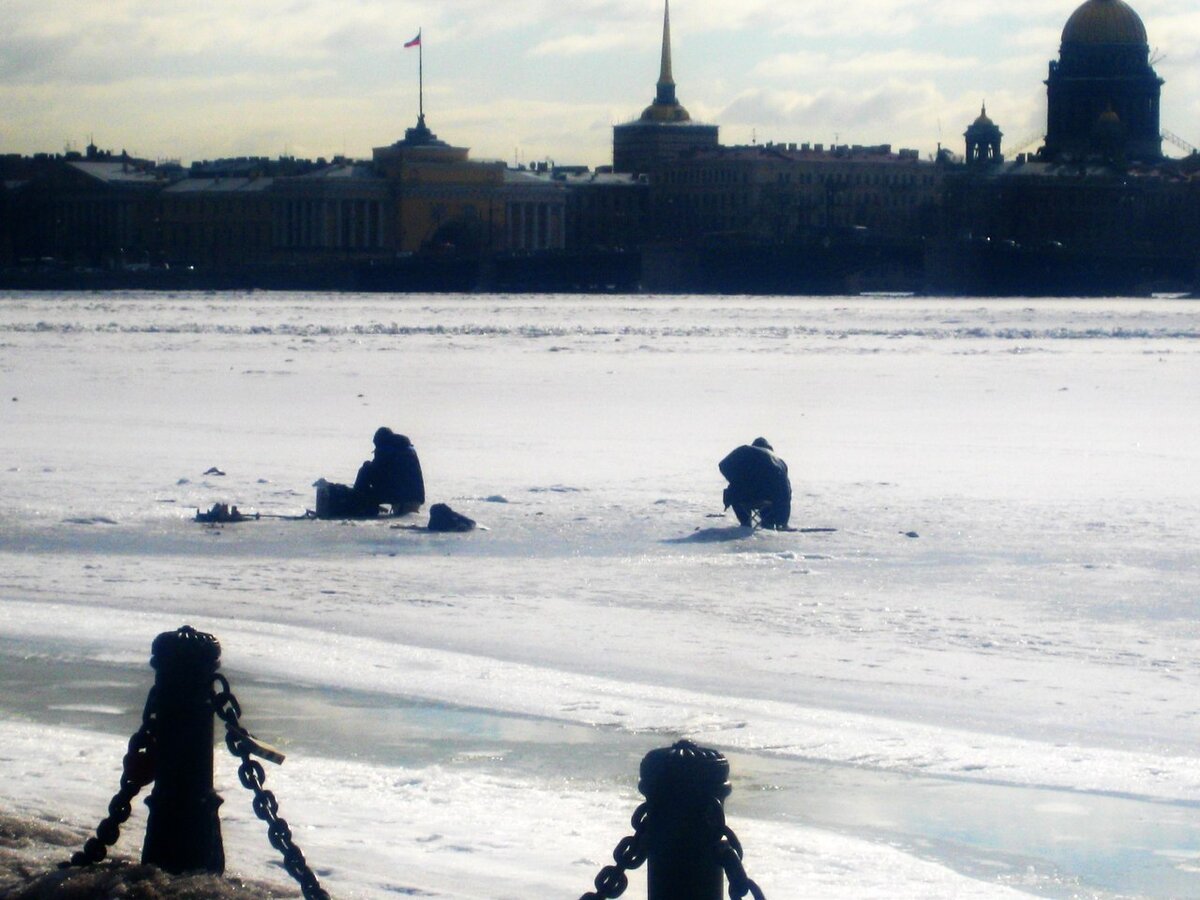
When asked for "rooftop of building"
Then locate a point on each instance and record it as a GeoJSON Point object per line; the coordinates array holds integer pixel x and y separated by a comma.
{"type": "Point", "coordinates": [600, 179]}
{"type": "Point", "coordinates": [249, 166]}
{"type": "Point", "coordinates": [1104, 22]}
{"type": "Point", "coordinates": [832, 153]}
{"type": "Point", "coordinates": [582, 176]}
{"type": "Point", "coordinates": [344, 169]}
{"type": "Point", "coordinates": [983, 122]}
{"type": "Point", "coordinates": [681, 124]}
{"type": "Point", "coordinates": [1175, 170]}
{"type": "Point", "coordinates": [521, 176]}
{"type": "Point", "coordinates": [119, 171]}
{"type": "Point", "coordinates": [220, 185]}
{"type": "Point", "coordinates": [420, 143]}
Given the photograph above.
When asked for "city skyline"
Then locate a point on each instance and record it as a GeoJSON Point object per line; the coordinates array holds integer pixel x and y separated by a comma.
{"type": "Point", "coordinates": [531, 81]}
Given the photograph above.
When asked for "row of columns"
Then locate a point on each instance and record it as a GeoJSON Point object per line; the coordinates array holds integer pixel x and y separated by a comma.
{"type": "Point", "coordinates": [358, 224]}
{"type": "Point", "coordinates": [534, 226]}
{"type": "Point", "coordinates": [355, 224]}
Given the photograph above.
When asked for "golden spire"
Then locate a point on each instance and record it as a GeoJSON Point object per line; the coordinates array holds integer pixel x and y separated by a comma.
{"type": "Point", "coordinates": [665, 107]}
{"type": "Point", "coordinates": [665, 95]}
{"type": "Point", "coordinates": [664, 74]}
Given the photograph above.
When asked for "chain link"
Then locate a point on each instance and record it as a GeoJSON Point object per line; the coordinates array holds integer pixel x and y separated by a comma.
{"type": "Point", "coordinates": [137, 771]}
{"type": "Point", "coordinates": [630, 853]}
{"type": "Point", "coordinates": [252, 775]}
{"type": "Point", "coordinates": [729, 854]}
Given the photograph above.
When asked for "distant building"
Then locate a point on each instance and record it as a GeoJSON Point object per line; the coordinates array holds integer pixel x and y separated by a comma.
{"type": "Point", "coordinates": [534, 213]}
{"type": "Point", "coordinates": [1102, 93]}
{"type": "Point", "coordinates": [1143, 212]}
{"type": "Point", "coordinates": [1098, 208]}
{"type": "Point", "coordinates": [1028, 226]}
{"type": "Point", "coordinates": [215, 222]}
{"type": "Point", "coordinates": [7, 222]}
{"type": "Point", "coordinates": [94, 210]}
{"type": "Point", "coordinates": [338, 212]}
{"type": "Point", "coordinates": [445, 202]}
{"type": "Point", "coordinates": [605, 210]}
{"type": "Point", "coordinates": [665, 130]}
{"type": "Point", "coordinates": [782, 193]}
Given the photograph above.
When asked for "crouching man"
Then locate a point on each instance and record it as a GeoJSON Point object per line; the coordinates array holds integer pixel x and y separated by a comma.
{"type": "Point", "coordinates": [758, 485]}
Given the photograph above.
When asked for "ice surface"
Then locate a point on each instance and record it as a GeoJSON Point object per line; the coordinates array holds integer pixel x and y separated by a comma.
{"type": "Point", "coordinates": [1004, 618]}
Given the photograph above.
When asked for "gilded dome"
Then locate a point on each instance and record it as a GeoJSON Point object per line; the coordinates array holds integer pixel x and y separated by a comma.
{"type": "Point", "coordinates": [665, 113]}
{"type": "Point", "coordinates": [1104, 22]}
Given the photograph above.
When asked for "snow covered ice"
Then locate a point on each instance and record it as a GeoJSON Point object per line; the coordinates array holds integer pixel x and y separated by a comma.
{"type": "Point", "coordinates": [982, 684]}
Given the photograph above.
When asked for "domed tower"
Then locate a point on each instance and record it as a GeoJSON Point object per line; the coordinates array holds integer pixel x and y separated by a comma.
{"type": "Point", "coordinates": [983, 140]}
{"type": "Point", "coordinates": [1103, 70]}
{"type": "Point", "coordinates": [665, 107]}
{"type": "Point", "coordinates": [664, 130]}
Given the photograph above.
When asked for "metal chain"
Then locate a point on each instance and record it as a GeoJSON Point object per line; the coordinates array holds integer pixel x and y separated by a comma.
{"type": "Point", "coordinates": [630, 853]}
{"type": "Point", "coordinates": [137, 771]}
{"type": "Point", "coordinates": [729, 855]}
{"type": "Point", "coordinates": [252, 775]}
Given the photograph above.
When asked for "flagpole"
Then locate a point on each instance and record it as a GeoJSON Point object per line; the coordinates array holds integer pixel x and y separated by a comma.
{"type": "Point", "coordinates": [420, 75]}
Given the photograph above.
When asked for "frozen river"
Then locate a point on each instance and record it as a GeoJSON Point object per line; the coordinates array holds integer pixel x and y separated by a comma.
{"type": "Point", "coordinates": [981, 683]}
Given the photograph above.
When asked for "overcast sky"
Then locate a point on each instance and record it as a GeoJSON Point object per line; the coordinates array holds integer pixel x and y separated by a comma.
{"type": "Point", "coordinates": [531, 80]}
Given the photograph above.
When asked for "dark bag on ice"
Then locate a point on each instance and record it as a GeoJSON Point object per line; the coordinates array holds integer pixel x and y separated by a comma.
{"type": "Point", "coordinates": [443, 518]}
{"type": "Point", "coordinates": [340, 501]}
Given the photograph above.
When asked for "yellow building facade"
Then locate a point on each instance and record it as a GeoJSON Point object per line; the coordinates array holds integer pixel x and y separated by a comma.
{"type": "Point", "coordinates": [445, 202]}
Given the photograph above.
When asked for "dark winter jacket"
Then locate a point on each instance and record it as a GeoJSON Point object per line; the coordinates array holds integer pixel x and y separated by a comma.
{"type": "Point", "coordinates": [394, 475]}
{"type": "Point", "coordinates": [758, 477]}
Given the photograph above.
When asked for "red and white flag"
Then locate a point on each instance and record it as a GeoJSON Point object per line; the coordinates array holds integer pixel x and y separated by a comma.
{"type": "Point", "coordinates": [415, 42]}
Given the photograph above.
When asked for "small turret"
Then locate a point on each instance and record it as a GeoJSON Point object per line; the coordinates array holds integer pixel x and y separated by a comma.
{"type": "Point", "coordinates": [983, 140]}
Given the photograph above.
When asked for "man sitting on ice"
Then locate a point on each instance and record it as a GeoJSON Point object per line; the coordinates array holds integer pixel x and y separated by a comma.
{"type": "Point", "coordinates": [394, 475]}
{"type": "Point", "coordinates": [758, 484]}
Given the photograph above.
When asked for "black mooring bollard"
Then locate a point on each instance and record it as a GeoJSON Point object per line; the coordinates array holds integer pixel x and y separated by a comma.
{"type": "Point", "coordinates": [183, 830]}
{"type": "Point", "coordinates": [685, 786]}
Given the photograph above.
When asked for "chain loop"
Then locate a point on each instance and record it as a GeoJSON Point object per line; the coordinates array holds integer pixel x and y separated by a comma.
{"type": "Point", "coordinates": [252, 775]}
{"type": "Point", "coordinates": [731, 861]}
{"type": "Point", "coordinates": [630, 853]}
{"type": "Point", "coordinates": [137, 771]}
{"type": "Point", "coordinates": [729, 855]}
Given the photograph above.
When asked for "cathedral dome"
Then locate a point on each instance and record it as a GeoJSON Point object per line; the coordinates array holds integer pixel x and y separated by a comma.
{"type": "Point", "coordinates": [1104, 22]}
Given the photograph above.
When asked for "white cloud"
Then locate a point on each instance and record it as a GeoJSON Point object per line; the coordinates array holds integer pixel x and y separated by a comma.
{"type": "Point", "coordinates": [578, 44]}
{"type": "Point", "coordinates": [533, 73]}
{"type": "Point", "coordinates": [897, 63]}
